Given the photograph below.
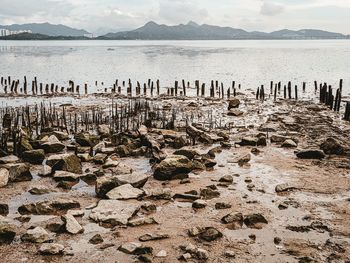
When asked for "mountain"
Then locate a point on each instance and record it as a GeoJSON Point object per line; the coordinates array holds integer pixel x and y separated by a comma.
{"type": "Point", "coordinates": [193, 31]}
{"type": "Point", "coordinates": [47, 29]}
{"type": "Point", "coordinates": [35, 36]}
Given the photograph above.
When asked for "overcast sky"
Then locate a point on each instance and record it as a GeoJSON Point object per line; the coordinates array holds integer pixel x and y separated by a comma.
{"type": "Point", "coordinates": [100, 16]}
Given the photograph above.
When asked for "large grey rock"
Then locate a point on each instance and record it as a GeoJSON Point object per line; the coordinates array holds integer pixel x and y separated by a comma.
{"type": "Point", "coordinates": [18, 172]}
{"type": "Point", "coordinates": [173, 167]}
{"type": "Point", "coordinates": [51, 249]}
{"type": "Point", "coordinates": [7, 232]}
{"type": "Point", "coordinates": [233, 103]}
{"type": "Point", "coordinates": [114, 212]}
{"type": "Point", "coordinates": [65, 162]}
{"type": "Point", "coordinates": [48, 207]}
{"type": "Point", "coordinates": [72, 225]}
{"type": "Point", "coordinates": [311, 154]}
{"type": "Point", "coordinates": [53, 145]}
{"type": "Point", "coordinates": [86, 139]}
{"type": "Point", "coordinates": [137, 180]}
{"type": "Point", "coordinates": [45, 170]}
{"type": "Point", "coordinates": [332, 146]}
{"type": "Point", "coordinates": [124, 192]}
{"type": "Point", "coordinates": [36, 235]}
{"type": "Point", "coordinates": [66, 176]}
{"type": "Point", "coordinates": [9, 159]}
{"type": "Point", "coordinates": [34, 156]}
{"type": "Point", "coordinates": [4, 177]}
{"type": "Point", "coordinates": [289, 144]}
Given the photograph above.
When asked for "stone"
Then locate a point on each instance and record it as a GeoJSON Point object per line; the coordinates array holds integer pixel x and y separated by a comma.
{"type": "Point", "coordinates": [150, 237]}
{"type": "Point", "coordinates": [129, 248]}
{"type": "Point", "coordinates": [160, 194]}
{"type": "Point", "coordinates": [233, 220]}
{"type": "Point", "coordinates": [233, 103]}
{"type": "Point", "coordinates": [103, 129]}
{"type": "Point", "coordinates": [84, 157]}
{"type": "Point", "coordinates": [86, 139]}
{"type": "Point", "coordinates": [188, 152]}
{"type": "Point", "coordinates": [34, 156]}
{"type": "Point", "coordinates": [72, 225]}
{"type": "Point", "coordinates": [161, 254]}
{"type": "Point", "coordinates": [9, 159]}
{"type": "Point", "coordinates": [210, 234]}
{"type": "Point", "coordinates": [52, 145]}
{"type": "Point", "coordinates": [65, 162]}
{"type": "Point", "coordinates": [142, 221]}
{"type": "Point", "coordinates": [24, 145]}
{"type": "Point", "coordinates": [249, 141]}
{"type": "Point", "coordinates": [235, 112]}
{"type": "Point", "coordinates": [198, 204]}
{"type": "Point", "coordinates": [208, 193]}
{"type": "Point", "coordinates": [18, 172]}
{"type": "Point", "coordinates": [114, 212]}
{"type": "Point", "coordinates": [100, 158]}
{"type": "Point", "coordinates": [62, 136]}
{"type": "Point", "coordinates": [311, 154]}
{"type": "Point", "coordinates": [51, 249]}
{"type": "Point", "coordinates": [48, 207]}
{"type": "Point", "coordinates": [278, 139]}
{"type": "Point", "coordinates": [66, 176]}
{"type": "Point", "coordinates": [4, 177]}
{"type": "Point", "coordinates": [226, 179]}
{"type": "Point", "coordinates": [96, 239]}
{"type": "Point", "coordinates": [289, 144]}
{"type": "Point", "coordinates": [39, 190]}
{"type": "Point", "coordinates": [7, 232]}
{"type": "Point", "coordinates": [173, 167]}
{"type": "Point", "coordinates": [45, 170]}
{"type": "Point", "coordinates": [118, 169]}
{"type": "Point", "coordinates": [284, 188]}
{"type": "Point", "coordinates": [36, 235]}
{"type": "Point", "coordinates": [222, 205]}
{"type": "Point", "coordinates": [124, 192]}
{"type": "Point", "coordinates": [332, 146]}
{"type": "Point", "coordinates": [137, 180]}
{"type": "Point", "coordinates": [4, 209]}
{"type": "Point", "coordinates": [122, 151]}
{"type": "Point", "coordinates": [255, 221]}
{"type": "Point", "coordinates": [230, 254]}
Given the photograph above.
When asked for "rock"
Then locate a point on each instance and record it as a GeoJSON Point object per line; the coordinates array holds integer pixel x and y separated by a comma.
{"type": "Point", "coordinates": [198, 204]}
{"type": "Point", "coordinates": [34, 156]}
{"type": "Point", "coordinates": [51, 249]}
{"type": "Point", "coordinates": [4, 209]}
{"type": "Point", "coordinates": [142, 221]}
{"type": "Point", "coordinates": [96, 239]}
{"type": "Point", "coordinates": [45, 171]}
{"type": "Point", "coordinates": [208, 162]}
{"type": "Point", "coordinates": [222, 205]}
{"type": "Point", "coordinates": [188, 152]}
{"type": "Point", "coordinates": [149, 207]}
{"type": "Point", "coordinates": [71, 224]}
{"type": "Point", "coordinates": [124, 192]}
{"type": "Point", "coordinates": [100, 158]}
{"type": "Point", "coordinates": [230, 254]}
{"type": "Point", "coordinates": [142, 130]}
{"type": "Point", "coordinates": [84, 157]}
{"type": "Point", "coordinates": [233, 103]}
{"type": "Point", "coordinates": [208, 193]}
{"type": "Point", "coordinates": [39, 190]}
{"type": "Point", "coordinates": [173, 167]}
{"type": "Point", "coordinates": [18, 172]}
{"type": "Point", "coordinates": [4, 177]}
{"type": "Point", "coordinates": [161, 254]}
{"type": "Point", "coordinates": [278, 139]}
{"type": "Point", "coordinates": [249, 141]}
{"type": "Point", "coordinates": [284, 188]}
{"type": "Point", "coordinates": [234, 220]}
{"type": "Point", "coordinates": [255, 221]}
{"type": "Point", "coordinates": [244, 159]}
{"type": "Point", "coordinates": [53, 145]}
{"type": "Point", "coordinates": [114, 212]}
{"type": "Point", "coordinates": [65, 162]}
{"type": "Point", "coordinates": [86, 139]}
{"type": "Point", "coordinates": [62, 136]}
{"type": "Point", "coordinates": [48, 207]}
{"type": "Point", "coordinates": [36, 235]}
{"type": "Point", "coordinates": [311, 154]}
{"type": "Point", "coordinates": [66, 176]}
{"type": "Point", "coordinates": [24, 145]}
{"type": "Point", "coordinates": [129, 248]}
{"type": "Point", "coordinates": [150, 237]}
{"type": "Point", "coordinates": [160, 194]}
{"type": "Point", "coordinates": [7, 232]}
{"type": "Point", "coordinates": [9, 159]}
{"type": "Point", "coordinates": [289, 144]}
{"type": "Point", "coordinates": [103, 129]}
{"type": "Point", "coordinates": [118, 169]}
{"type": "Point", "coordinates": [122, 151]}
{"type": "Point", "coordinates": [210, 234]}
{"type": "Point", "coordinates": [235, 112]}
{"type": "Point", "coordinates": [332, 146]}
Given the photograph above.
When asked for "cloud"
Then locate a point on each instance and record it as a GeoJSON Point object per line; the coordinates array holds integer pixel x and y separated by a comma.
{"type": "Point", "coordinates": [271, 9]}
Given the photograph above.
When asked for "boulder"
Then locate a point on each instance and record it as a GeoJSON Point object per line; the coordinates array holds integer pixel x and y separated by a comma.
{"type": "Point", "coordinates": [332, 146]}
{"type": "Point", "coordinates": [34, 156]}
{"type": "Point", "coordinates": [48, 207]}
{"type": "Point", "coordinates": [188, 152]}
{"type": "Point", "coordinates": [7, 232]}
{"type": "Point", "coordinates": [233, 220]}
{"type": "Point", "coordinates": [71, 224]}
{"type": "Point", "coordinates": [86, 139]}
{"type": "Point", "coordinates": [255, 221]}
{"type": "Point", "coordinates": [100, 158]}
{"type": "Point", "coordinates": [45, 170]}
{"type": "Point", "coordinates": [96, 239]}
{"type": "Point", "coordinates": [142, 221]}
{"type": "Point", "coordinates": [311, 154]}
{"type": "Point", "coordinates": [199, 204]}
{"type": "Point", "coordinates": [36, 235]}
{"type": "Point", "coordinates": [289, 144]}
{"type": "Point", "coordinates": [103, 129]}
{"type": "Point", "coordinates": [210, 234]}
{"type": "Point", "coordinates": [9, 159]}
{"type": "Point", "coordinates": [137, 180]}
{"type": "Point", "coordinates": [65, 162]}
{"type": "Point", "coordinates": [62, 136]}
{"type": "Point", "coordinates": [284, 188]}
{"type": "Point", "coordinates": [233, 103]}
{"type": "Point", "coordinates": [124, 192]}
{"type": "Point", "coordinates": [249, 141]}
{"type": "Point", "coordinates": [51, 249]}
{"type": "Point", "coordinates": [18, 172]}
{"type": "Point", "coordinates": [4, 209]}
{"type": "Point", "coordinates": [24, 145]}
{"type": "Point", "coordinates": [173, 167]}
{"type": "Point", "coordinates": [4, 177]}
{"type": "Point", "coordinates": [52, 145]}
{"type": "Point", "coordinates": [40, 190]}
{"type": "Point", "coordinates": [122, 151]}
{"type": "Point", "coordinates": [66, 176]}
{"type": "Point", "coordinates": [113, 212]}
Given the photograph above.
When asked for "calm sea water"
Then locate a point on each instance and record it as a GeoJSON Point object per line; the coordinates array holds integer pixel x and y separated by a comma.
{"type": "Point", "coordinates": [250, 63]}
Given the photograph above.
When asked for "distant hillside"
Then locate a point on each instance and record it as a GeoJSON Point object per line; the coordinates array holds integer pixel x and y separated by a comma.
{"type": "Point", "coordinates": [47, 29]}
{"type": "Point", "coordinates": [27, 36]}
{"type": "Point", "coordinates": [193, 31]}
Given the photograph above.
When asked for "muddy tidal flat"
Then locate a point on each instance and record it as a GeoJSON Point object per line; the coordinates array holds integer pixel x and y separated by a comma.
{"type": "Point", "coordinates": [247, 176]}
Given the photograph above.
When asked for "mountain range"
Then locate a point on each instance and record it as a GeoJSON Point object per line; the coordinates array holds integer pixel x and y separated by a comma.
{"type": "Point", "coordinates": [154, 31]}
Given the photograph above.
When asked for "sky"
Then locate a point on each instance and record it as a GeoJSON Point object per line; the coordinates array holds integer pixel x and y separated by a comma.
{"type": "Point", "coordinates": [103, 16]}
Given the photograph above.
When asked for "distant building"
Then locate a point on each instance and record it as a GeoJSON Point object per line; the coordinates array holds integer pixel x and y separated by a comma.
{"type": "Point", "coordinates": [6, 32]}
{"type": "Point", "coordinates": [89, 35]}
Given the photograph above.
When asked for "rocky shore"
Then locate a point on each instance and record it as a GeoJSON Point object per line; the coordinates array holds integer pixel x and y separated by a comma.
{"type": "Point", "coordinates": [230, 181]}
